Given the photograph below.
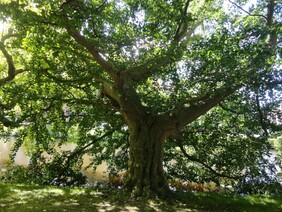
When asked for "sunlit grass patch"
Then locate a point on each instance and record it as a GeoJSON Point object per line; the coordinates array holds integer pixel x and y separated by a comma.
{"type": "Point", "coordinates": [263, 200]}
{"type": "Point", "coordinates": [39, 198]}
{"type": "Point", "coordinates": [46, 198]}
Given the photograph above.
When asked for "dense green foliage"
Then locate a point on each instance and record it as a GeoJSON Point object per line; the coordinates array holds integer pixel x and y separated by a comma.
{"type": "Point", "coordinates": [73, 71]}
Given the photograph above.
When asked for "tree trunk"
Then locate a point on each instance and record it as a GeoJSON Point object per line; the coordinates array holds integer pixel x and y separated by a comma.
{"type": "Point", "coordinates": [145, 176]}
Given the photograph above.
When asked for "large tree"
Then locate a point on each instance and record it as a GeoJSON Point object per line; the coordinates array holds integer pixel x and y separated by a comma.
{"type": "Point", "coordinates": [152, 66]}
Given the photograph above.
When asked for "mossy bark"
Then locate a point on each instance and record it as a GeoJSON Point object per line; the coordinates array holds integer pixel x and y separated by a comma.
{"type": "Point", "coordinates": [145, 175]}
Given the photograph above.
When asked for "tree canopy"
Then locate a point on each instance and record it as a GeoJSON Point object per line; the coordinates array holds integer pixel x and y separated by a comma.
{"type": "Point", "coordinates": [186, 89]}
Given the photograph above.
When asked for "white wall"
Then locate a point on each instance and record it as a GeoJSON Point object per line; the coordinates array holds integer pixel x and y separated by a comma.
{"type": "Point", "coordinates": [22, 159]}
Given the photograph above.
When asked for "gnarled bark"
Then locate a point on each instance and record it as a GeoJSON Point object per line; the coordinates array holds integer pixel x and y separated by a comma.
{"type": "Point", "coordinates": [145, 176]}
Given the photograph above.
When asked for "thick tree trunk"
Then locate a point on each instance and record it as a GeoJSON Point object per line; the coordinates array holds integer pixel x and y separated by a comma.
{"type": "Point", "coordinates": [145, 176]}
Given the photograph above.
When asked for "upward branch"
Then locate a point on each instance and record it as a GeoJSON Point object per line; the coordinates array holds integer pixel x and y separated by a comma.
{"type": "Point", "coordinates": [80, 39]}
{"type": "Point", "coordinates": [188, 111]}
{"type": "Point", "coordinates": [12, 71]}
{"type": "Point", "coordinates": [270, 13]}
{"type": "Point", "coordinates": [182, 35]}
{"type": "Point", "coordinates": [182, 29]}
{"type": "Point", "coordinates": [97, 56]}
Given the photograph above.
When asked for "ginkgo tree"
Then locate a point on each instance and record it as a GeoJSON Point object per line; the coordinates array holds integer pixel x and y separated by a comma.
{"type": "Point", "coordinates": [147, 69]}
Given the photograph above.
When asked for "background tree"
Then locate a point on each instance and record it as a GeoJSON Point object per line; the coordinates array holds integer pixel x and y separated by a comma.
{"type": "Point", "coordinates": [140, 73]}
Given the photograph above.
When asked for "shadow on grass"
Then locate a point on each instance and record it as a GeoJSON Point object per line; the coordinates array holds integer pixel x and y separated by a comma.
{"type": "Point", "coordinates": [39, 198]}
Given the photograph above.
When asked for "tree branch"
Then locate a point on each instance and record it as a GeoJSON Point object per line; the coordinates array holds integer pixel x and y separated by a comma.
{"type": "Point", "coordinates": [269, 22]}
{"type": "Point", "coordinates": [75, 101]}
{"type": "Point", "coordinates": [261, 116]}
{"type": "Point", "coordinates": [9, 35]}
{"type": "Point", "coordinates": [182, 36]}
{"type": "Point", "coordinates": [184, 114]}
{"type": "Point", "coordinates": [192, 100]}
{"type": "Point", "coordinates": [62, 80]}
{"type": "Point", "coordinates": [189, 157]}
{"type": "Point", "coordinates": [94, 52]}
{"type": "Point", "coordinates": [11, 67]}
{"type": "Point", "coordinates": [270, 84]}
{"type": "Point", "coordinates": [80, 150]}
{"type": "Point", "coordinates": [12, 71]}
{"type": "Point", "coordinates": [228, 109]}
{"type": "Point", "coordinates": [183, 25]}
{"type": "Point", "coordinates": [145, 70]}
{"type": "Point", "coordinates": [250, 14]}
{"type": "Point", "coordinates": [6, 122]}
{"type": "Point", "coordinates": [9, 123]}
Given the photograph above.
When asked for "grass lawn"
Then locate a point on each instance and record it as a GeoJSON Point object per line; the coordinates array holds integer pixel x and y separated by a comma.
{"type": "Point", "coordinates": [16, 197]}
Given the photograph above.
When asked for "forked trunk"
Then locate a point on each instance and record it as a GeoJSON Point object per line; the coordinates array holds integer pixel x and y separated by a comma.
{"type": "Point", "coordinates": [145, 175]}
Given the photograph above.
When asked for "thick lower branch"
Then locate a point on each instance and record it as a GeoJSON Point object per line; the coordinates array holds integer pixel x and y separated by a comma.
{"type": "Point", "coordinates": [80, 150]}
{"type": "Point", "coordinates": [189, 157]}
{"type": "Point", "coordinates": [184, 114]}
